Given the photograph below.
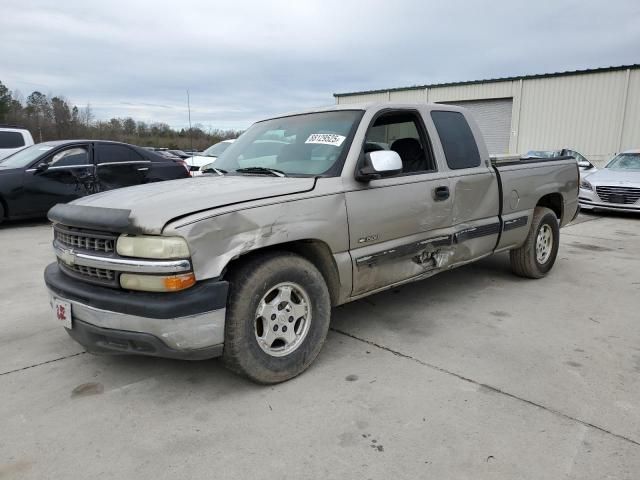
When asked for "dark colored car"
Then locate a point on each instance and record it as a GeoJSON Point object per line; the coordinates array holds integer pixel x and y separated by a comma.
{"type": "Point", "coordinates": [180, 153]}
{"type": "Point", "coordinates": [36, 178]}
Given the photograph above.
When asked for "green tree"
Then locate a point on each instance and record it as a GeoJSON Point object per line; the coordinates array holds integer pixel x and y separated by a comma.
{"type": "Point", "coordinates": [61, 117]}
{"type": "Point", "coordinates": [5, 102]}
{"type": "Point", "coordinates": [129, 126]}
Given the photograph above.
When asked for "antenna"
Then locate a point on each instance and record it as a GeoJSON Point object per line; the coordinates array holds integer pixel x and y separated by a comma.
{"type": "Point", "coordinates": [190, 131]}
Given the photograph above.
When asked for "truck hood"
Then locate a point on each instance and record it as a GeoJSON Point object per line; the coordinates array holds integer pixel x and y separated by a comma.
{"type": "Point", "coordinates": [150, 207]}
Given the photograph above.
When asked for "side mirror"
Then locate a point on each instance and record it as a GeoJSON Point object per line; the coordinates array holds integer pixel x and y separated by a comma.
{"type": "Point", "coordinates": [42, 167]}
{"type": "Point", "coordinates": [585, 164]}
{"type": "Point", "coordinates": [383, 163]}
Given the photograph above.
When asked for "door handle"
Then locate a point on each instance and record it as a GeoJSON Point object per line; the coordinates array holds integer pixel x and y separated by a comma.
{"type": "Point", "coordinates": [143, 169]}
{"type": "Point", "coordinates": [441, 193]}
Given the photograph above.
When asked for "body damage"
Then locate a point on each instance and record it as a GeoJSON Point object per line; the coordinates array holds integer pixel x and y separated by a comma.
{"type": "Point", "coordinates": [217, 240]}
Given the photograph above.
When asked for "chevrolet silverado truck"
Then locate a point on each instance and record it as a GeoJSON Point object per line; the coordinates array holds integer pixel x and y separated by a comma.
{"type": "Point", "coordinates": [302, 213]}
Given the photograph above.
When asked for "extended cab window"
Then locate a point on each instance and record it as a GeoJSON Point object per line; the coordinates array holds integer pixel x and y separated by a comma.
{"type": "Point", "coordinates": [11, 140]}
{"type": "Point", "coordinates": [70, 157]}
{"type": "Point", "coordinates": [458, 142]}
{"type": "Point", "coordinates": [116, 154]}
{"type": "Point", "coordinates": [402, 132]}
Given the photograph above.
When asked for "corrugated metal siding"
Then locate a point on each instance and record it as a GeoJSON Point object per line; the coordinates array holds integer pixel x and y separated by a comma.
{"type": "Point", "coordinates": [585, 112]}
{"type": "Point", "coordinates": [364, 98]}
{"type": "Point", "coordinates": [631, 132]}
{"type": "Point", "coordinates": [411, 96]}
{"type": "Point", "coordinates": [477, 91]}
{"type": "Point", "coordinates": [494, 119]}
{"type": "Point", "coordinates": [579, 112]}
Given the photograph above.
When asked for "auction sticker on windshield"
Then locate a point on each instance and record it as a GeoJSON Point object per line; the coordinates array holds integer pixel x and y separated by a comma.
{"type": "Point", "coordinates": [326, 139]}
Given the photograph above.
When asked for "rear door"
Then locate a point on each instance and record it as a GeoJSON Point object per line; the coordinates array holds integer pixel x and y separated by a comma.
{"type": "Point", "coordinates": [118, 165]}
{"type": "Point", "coordinates": [475, 190]}
{"type": "Point", "coordinates": [397, 224]}
{"type": "Point", "coordinates": [69, 174]}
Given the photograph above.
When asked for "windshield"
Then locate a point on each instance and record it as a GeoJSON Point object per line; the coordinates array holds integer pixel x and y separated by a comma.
{"type": "Point", "coordinates": [216, 150]}
{"type": "Point", "coordinates": [625, 161]}
{"type": "Point", "coordinates": [306, 145]}
{"type": "Point", "coordinates": [25, 156]}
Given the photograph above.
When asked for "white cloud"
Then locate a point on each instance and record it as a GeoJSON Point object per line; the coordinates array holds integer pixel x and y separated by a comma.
{"type": "Point", "coordinates": [246, 60]}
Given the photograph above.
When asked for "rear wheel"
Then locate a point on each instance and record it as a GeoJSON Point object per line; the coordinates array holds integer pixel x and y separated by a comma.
{"type": "Point", "coordinates": [277, 317]}
{"type": "Point", "coordinates": [537, 255]}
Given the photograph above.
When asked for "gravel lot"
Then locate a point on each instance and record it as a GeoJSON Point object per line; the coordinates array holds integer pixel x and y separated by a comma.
{"type": "Point", "coordinates": [471, 374]}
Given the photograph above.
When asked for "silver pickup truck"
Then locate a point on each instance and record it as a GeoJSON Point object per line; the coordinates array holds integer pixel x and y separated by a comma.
{"type": "Point", "coordinates": [303, 212]}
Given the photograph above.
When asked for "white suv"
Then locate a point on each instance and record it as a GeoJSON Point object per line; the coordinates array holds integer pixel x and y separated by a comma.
{"type": "Point", "coordinates": [12, 139]}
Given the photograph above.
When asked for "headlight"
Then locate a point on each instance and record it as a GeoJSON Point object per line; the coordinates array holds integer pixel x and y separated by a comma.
{"type": "Point", "coordinates": [157, 283]}
{"type": "Point", "coordinates": [586, 185]}
{"type": "Point", "coordinates": [148, 246]}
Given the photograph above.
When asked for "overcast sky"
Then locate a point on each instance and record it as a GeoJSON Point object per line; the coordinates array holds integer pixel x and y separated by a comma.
{"type": "Point", "coordinates": [246, 60]}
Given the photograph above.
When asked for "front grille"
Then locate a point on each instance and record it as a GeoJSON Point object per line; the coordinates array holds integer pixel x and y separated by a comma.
{"type": "Point", "coordinates": [97, 273]}
{"type": "Point", "coordinates": [620, 195]}
{"type": "Point", "coordinates": [99, 242]}
{"type": "Point", "coordinates": [100, 276]}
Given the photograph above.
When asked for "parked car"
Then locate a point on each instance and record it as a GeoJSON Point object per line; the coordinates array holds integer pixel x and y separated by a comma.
{"type": "Point", "coordinates": [12, 139]}
{"type": "Point", "coordinates": [34, 179]}
{"type": "Point", "coordinates": [584, 164]}
{"type": "Point", "coordinates": [196, 162]}
{"type": "Point", "coordinates": [168, 154]}
{"type": "Point", "coordinates": [180, 154]}
{"type": "Point", "coordinates": [616, 187]}
{"type": "Point", "coordinates": [248, 264]}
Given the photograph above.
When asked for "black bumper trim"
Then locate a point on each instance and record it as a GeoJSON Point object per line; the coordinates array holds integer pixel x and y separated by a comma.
{"type": "Point", "coordinates": [205, 296]}
{"type": "Point", "coordinates": [107, 341]}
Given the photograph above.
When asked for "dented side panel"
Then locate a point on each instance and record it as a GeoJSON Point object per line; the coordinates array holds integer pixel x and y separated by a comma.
{"type": "Point", "coordinates": [216, 240]}
{"type": "Point", "coordinates": [387, 222]}
{"type": "Point", "coordinates": [475, 213]}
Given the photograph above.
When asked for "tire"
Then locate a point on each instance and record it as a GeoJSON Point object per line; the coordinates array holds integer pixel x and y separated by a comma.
{"type": "Point", "coordinates": [526, 260]}
{"type": "Point", "coordinates": [263, 360]}
{"type": "Point", "coordinates": [1, 213]}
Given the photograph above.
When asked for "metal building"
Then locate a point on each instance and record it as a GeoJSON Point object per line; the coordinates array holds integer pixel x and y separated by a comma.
{"type": "Point", "coordinates": [595, 112]}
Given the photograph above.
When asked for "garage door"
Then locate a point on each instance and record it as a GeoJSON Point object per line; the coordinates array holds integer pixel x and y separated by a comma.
{"type": "Point", "coordinates": [494, 118]}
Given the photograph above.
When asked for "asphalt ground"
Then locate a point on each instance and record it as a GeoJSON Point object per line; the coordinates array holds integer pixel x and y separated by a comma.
{"type": "Point", "coordinates": [472, 374]}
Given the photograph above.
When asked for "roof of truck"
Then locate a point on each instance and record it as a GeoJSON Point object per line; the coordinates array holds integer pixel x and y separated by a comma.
{"type": "Point", "coordinates": [366, 106]}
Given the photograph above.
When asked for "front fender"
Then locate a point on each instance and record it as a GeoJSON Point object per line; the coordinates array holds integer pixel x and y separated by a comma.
{"type": "Point", "coordinates": [218, 239]}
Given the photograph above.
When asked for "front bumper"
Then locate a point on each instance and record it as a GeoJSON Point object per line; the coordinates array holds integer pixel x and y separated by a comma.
{"type": "Point", "coordinates": [184, 325]}
{"type": "Point", "coordinates": [589, 200]}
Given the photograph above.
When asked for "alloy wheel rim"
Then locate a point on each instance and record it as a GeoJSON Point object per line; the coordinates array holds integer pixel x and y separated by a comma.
{"type": "Point", "coordinates": [282, 319]}
{"type": "Point", "coordinates": [544, 244]}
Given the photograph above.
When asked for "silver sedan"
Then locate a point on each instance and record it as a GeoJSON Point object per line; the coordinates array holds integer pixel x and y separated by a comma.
{"type": "Point", "coordinates": [616, 187]}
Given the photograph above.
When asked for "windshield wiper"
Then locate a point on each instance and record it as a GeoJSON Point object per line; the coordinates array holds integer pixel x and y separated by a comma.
{"type": "Point", "coordinates": [272, 171]}
{"type": "Point", "coordinates": [219, 171]}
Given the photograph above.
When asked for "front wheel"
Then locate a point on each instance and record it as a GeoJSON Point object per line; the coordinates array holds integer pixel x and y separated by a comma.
{"type": "Point", "coordinates": [537, 255]}
{"type": "Point", "coordinates": [277, 317]}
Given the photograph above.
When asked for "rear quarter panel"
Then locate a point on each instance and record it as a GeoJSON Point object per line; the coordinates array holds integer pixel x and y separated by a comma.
{"type": "Point", "coordinates": [524, 185]}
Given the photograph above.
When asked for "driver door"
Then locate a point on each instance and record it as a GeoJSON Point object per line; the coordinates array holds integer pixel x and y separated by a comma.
{"type": "Point", "coordinates": [399, 225]}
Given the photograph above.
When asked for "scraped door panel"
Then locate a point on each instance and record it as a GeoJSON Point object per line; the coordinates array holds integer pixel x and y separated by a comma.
{"type": "Point", "coordinates": [475, 214]}
{"type": "Point", "coordinates": [397, 230]}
